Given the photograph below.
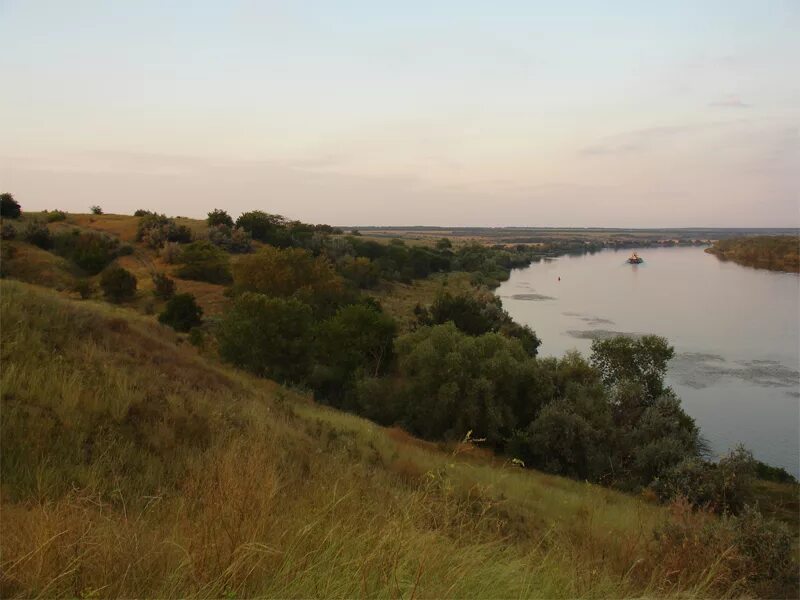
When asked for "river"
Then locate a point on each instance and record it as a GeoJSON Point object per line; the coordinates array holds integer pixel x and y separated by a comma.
{"type": "Point", "coordinates": [735, 329]}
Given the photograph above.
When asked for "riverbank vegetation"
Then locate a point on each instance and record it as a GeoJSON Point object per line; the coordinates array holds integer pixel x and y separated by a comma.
{"type": "Point", "coordinates": [182, 454]}
{"type": "Point", "coordinates": [776, 253]}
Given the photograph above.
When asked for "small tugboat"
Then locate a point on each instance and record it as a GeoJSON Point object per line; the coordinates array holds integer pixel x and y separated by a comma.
{"type": "Point", "coordinates": [635, 259]}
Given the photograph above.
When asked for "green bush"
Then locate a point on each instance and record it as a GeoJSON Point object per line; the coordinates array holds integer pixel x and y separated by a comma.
{"type": "Point", "coordinates": [164, 286]}
{"type": "Point", "coordinates": [118, 284]}
{"type": "Point", "coordinates": [155, 230]}
{"type": "Point", "coordinates": [55, 216]}
{"type": "Point", "coordinates": [726, 486]}
{"type": "Point", "coordinates": [84, 288]}
{"type": "Point", "coordinates": [235, 240]}
{"type": "Point", "coordinates": [8, 231]}
{"type": "Point", "coordinates": [91, 251]}
{"type": "Point", "coordinates": [219, 217]}
{"type": "Point", "coordinates": [38, 234]}
{"type": "Point", "coordinates": [271, 337]}
{"type": "Point", "coordinates": [96, 210]}
{"type": "Point", "coordinates": [182, 313]}
{"type": "Point", "coordinates": [357, 339]}
{"type": "Point", "coordinates": [203, 261]}
{"type": "Point", "coordinates": [753, 554]}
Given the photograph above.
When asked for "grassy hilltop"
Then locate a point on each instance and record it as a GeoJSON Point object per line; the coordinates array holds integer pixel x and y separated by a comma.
{"type": "Point", "coordinates": [136, 463]}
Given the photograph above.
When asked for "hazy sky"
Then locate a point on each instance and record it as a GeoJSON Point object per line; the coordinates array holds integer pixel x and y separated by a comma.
{"type": "Point", "coordinates": [434, 112]}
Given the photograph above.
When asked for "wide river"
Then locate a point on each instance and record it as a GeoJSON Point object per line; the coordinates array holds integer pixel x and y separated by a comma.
{"type": "Point", "coordinates": [735, 330]}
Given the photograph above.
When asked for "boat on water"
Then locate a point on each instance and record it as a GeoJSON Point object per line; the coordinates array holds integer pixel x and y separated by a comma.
{"type": "Point", "coordinates": [635, 259]}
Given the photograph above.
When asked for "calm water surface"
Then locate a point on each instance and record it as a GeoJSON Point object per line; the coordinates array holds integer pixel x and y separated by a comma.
{"type": "Point", "coordinates": [735, 332]}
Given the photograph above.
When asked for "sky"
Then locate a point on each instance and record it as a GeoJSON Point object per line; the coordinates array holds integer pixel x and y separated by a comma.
{"type": "Point", "coordinates": [523, 113]}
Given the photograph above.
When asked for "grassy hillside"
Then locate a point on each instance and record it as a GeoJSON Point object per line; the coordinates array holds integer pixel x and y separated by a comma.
{"type": "Point", "coordinates": [131, 466]}
{"type": "Point", "coordinates": [776, 253]}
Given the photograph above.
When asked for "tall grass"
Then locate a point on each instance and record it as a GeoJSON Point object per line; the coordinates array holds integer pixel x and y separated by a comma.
{"type": "Point", "coordinates": [131, 466]}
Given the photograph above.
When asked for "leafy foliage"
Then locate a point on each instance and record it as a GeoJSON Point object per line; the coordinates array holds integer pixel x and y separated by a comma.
{"type": "Point", "coordinates": [38, 234]}
{"type": "Point", "coordinates": [235, 240]}
{"type": "Point", "coordinates": [270, 337]}
{"type": "Point", "coordinates": [182, 313]}
{"type": "Point", "coordinates": [9, 208]}
{"type": "Point", "coordinates": [90, 250]}
{"type": "Point", "coordinates": [203, 261]}
{"type": "Point", "coordinates": [118, 284]}
{"type": "Point", "coordinates": [357, 340]}
{"type": "Point", "coordinates": [163, 286]}
{"type": "Point", "coordinates": [777, 253]}
{"type": "Point", "coordinates": [155, 230]}
{"type": "Point", "coordinates": [219, 217]}
{"type": "Point", "coordinates": [290, 273]}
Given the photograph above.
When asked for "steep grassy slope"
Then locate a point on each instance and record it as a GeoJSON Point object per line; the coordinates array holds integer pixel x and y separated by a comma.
{"type": "Point", "coordinates": [131, 466]}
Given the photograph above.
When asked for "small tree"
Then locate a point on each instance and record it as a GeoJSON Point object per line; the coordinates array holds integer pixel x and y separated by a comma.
{"type": "Point", "coordinates": [9, 208]}
{"type": "Point", "coordinates": [38, 234]}
{"type": "Point", "coordinates": [219, 217]}
{"type": "Point", "coordinates": [203, 261]}
{"type": "Point", "coordinates": [7, 231]}
{"type": "Point", "coordinates": [182, 313]}
{"type": "Point", "coordinates": [96, 210]}
{"type": "Point", "coordinates": [84, 288]}
{"type": "Point", "coordinates": [164, 286]}
{"type": "Point", "coordinates": [118, 284]}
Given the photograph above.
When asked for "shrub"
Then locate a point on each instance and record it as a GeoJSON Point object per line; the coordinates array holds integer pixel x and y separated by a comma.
{"type": "Point", "coordinates": [141, 212]}
{"type": "Point", "coordinates": [164, 286]}
{"type": "Point", "coordinates": [182, 313]}
{"type": "Point", "coordinates": [748, 551]}
{"type": "Point", "coordinates": [197, 337]}
{"type": "Point", "coordinates": [84, 288]}
{"type": "Point", "coordinates": [91, 251]}
{"type": "Point", "coordinates": [38, 234]}
{"type": "Point", "coordinates": [9, 208]}
{"type": "Point", "coordinates": [362, 272]}
{"type": "Point", "coordinates": [292, 272]}
{"type": "Point", "coordinates": [56, 215]}
{"type": "Point", "coordinates": [264, 227]}
{"type": "Point", "coordinates": [723, 487]}
{"type": "Point", "coordinates": [235, 240]}
{"type": "Point", "coordinates": [219, 217]}
{"type": "Point", "coordinates": [171, 253]}
{"type": "Point", "coordinates": [270, 337]}
{"type": "Point", "coordinates": [203, 261]}
{"type": "Point", "coordinates": [155, 230]}
{"type": "Point", "coordinates": [8, 231]}
{"type": "Point", "coordinates": [96, 210]}
{"type": "Point", "coordinates": [118, 284]}
{"type": "Point", "coordinates": [358, 338]}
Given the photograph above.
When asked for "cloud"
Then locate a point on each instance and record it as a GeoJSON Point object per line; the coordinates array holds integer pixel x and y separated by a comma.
{"type": "Point", "coordinates": [730, 101]}
{"type": "Point", "coordinates": [634, 141]}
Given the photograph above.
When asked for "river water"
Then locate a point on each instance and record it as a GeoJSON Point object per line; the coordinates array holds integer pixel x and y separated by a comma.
{"type": "Point", "coordinates": [735, 330]}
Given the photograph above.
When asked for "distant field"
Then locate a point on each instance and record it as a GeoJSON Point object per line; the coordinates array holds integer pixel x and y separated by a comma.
{"type": "Point", "coordinates": [533, 235]}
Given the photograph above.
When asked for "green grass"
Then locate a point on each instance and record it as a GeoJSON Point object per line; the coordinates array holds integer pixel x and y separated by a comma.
{"type": "Point", "coordinates": [132, 466]}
